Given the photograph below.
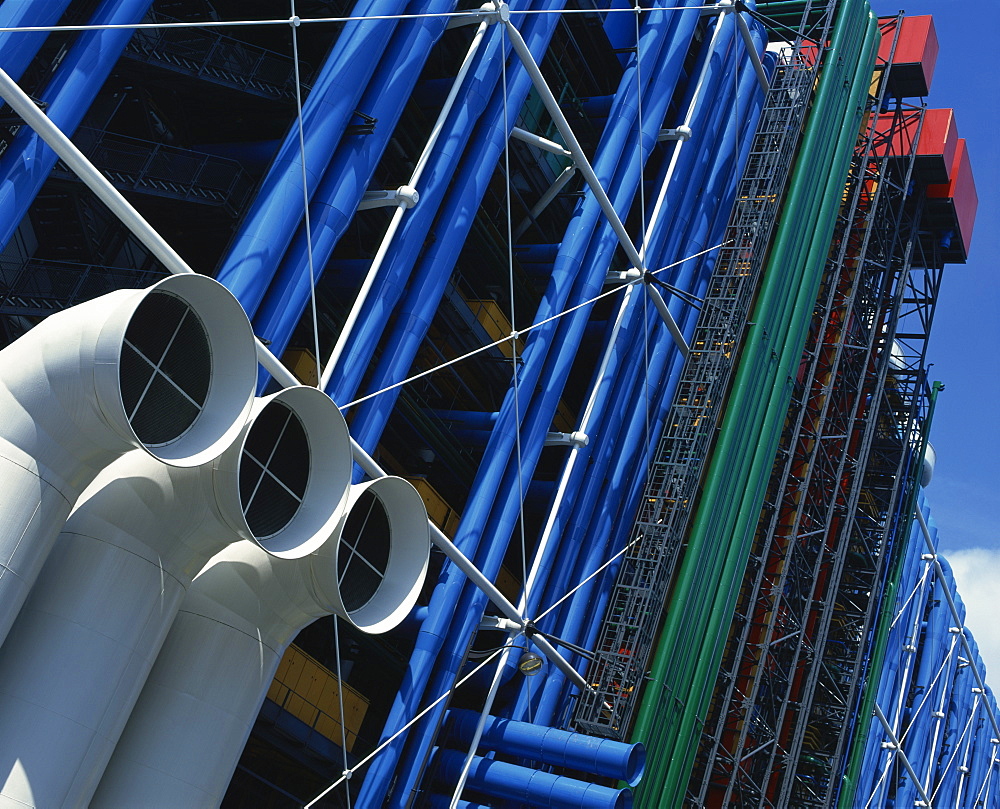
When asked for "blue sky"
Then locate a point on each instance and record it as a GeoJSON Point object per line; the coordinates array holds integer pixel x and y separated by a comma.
{"type": "Point", "coordinates": [965, 492]}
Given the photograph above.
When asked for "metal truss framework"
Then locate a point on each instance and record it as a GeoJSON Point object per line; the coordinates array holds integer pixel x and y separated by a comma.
{"type": "Point", "coordinates": [786, 695]}
{"type": "Point", "coordinates": [633, 616]}
{"type": "Point", "coordinates": [896, 728]}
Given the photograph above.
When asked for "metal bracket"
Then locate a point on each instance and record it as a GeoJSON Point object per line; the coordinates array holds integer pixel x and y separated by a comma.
{"type": "Point", "coordinates": [405, 196]}
{"type": "Point", "coordinates": [537, 140]}
{"type": "Point", "coordinates": [622, 276]}
{"type": "Point", "coordinates": [574, 439]}
{"type": "Point", "coordinates": [678, 133]}
{"type": "Point", "coordinates": [487, 12]}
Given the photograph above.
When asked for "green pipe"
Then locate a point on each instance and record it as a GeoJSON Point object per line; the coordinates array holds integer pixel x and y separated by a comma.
{"type": "Point", "coordinates": [777, 407]}
{"type": "Point", "coordinates": [866, 708]}
{"type": "Point", "coordinates": [744, 407]}
{"type": "Point", "coordinates": [751, 369]}
{"type": "Point", "coordinates": [757, 365]}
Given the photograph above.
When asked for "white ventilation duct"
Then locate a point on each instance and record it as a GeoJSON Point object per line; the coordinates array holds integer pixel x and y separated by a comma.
{"type": "Point", "coordinates": [187, 731]}
{"type": "Point", "coordinates": [169, 369]}
{"type": "Point", "coordinates": [87, 636]}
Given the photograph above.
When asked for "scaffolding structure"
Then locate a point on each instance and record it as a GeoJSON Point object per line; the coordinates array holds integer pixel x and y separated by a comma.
{"type": "Point", "coordinates": [634, 611]}
{"type": "Point", "coordinates": [787, 692]}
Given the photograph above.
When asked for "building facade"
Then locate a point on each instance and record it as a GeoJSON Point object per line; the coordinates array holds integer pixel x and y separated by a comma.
{"type": "Point", "coordinates": [637, 300]}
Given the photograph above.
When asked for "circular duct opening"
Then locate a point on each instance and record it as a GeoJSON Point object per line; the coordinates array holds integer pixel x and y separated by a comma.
{"type": "Point", "coordinates": [372, 575]}
{"type": "Point", "coordinates": [363, 553]}
{"type": "Point", "coordinates": [175, 368]}
{"type": "Point", "coordinates": [165, 369]}
{"type": "Point", "coordinates": [274, 470]}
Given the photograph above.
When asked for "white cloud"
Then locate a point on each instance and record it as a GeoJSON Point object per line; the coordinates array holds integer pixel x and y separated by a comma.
{"type": "Point", "coordinates": [977, 575]}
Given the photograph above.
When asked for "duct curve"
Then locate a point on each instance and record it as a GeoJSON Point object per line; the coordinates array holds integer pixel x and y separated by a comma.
{"type": "Point", "coordinates": [185, 735]}
{"type": "Point", "coordinates": [169, 369]}
{"type": "Point", "coordinates": [89, 632]}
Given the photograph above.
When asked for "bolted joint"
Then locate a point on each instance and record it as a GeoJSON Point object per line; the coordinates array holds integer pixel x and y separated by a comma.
{"type": "Point", "coordinates": [682, 132]}
{"type": "Point", "coordinates": [407, 196]}
{"type": "Point", "coordinates": [574, 439]}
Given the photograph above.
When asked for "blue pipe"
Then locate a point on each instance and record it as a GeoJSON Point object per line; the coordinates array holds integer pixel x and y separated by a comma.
{"type": "Point", "coordinates": [450, 153]}
{"type": "Point", "coordinates": [27, 162]}
{"type": "Point", "coordinates": [570, 506]}
{"type": "Point", "coordinates": [17, 49]}
{"type": "Point", "coordinates": [350, 173]}
{"type": "Point", "coordinates": [579, 612]}
{"type": "Point", "coordinates": [270, 224]}
{"type": "Point", "coordinates": [582, 252]}
{"type": "Point", "coordinates": [425, 291]}
{"type": "Point", "coordinates": [418, 308]}
{"type": "Point", "coordinates": [502, 780]}
{"type": "Point", "coordinates": [557, 748]}
{"type": "Point", "coordinates": [494, 472]}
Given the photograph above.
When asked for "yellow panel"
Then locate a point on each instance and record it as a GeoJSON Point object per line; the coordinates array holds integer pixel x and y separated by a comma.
{"type": "Point", "coordinates": [442, 514]}
{"type": "Point", "coordinates": [327, 726]}
{"type": "Point", "coordinates": [311, 684]}
{"type": "Point", "coordinates": [310, 692]}
{"type": "Point", "coordinates": [496, 324]}
{"type": "Point", "coordinates": [302, 363]}
{"type": "Point", "coordinates": [301, 709]}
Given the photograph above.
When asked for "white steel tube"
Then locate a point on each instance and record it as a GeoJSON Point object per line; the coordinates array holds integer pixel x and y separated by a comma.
{"type": "Point", "coordinates": [758, 67]}
{"type": "Point", "coordinates": [397, 215]}
{"type": "Point", "coordinates": [90, 630]}
{"type": "Point", "coordinates": [187, 730]}
{"type": "Point", "coordinates": [579, 156]}
{"type": "Point", "coordinates": [477, 734]}
{"type": "Point", "coordinates": [545, 200]}
{"type": "Point", "coordinates": [661, 307]}
{"type": "Point", "coordinates": [574, 453]}
{"type": "Point", "coordinates": [661, 197]}
{"type": "Point", "coordinates": [84, 387]}
{"type": "Point", "coordinates": [900, 754]}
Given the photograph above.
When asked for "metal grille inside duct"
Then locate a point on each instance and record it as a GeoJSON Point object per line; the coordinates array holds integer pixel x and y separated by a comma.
{"type": "Point", "coordinates": [165, 369]}
{"type": "Point", "coordinates": [274, 470]}
{"type": "Point", "coordinates": [364, 552]}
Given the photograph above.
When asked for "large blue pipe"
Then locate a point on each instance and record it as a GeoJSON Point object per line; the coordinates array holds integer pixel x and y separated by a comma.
{"type": "Point", "coordinates": [27, 162]}
{"type": "Point", "coordinates": [493, 508]}
{"type": "Point", "coordinates": [557, 748]}
{"type": "Point", "coordinates": [499, 779]}
{"type": "Point", "coordinates": [427, 287]}
{"type": "Point", "coordinates": [594, 496]}
{"type": "Point", "coordinates": [269, 225]}
{"type": "Point", "coordinates": [17, 49]}
{"type": "Point", "coordinates": [439, 631]}
{"type": "Point", "coordinates": [450, 152]}
{"type": "Point", "coordinates": [571, 505]}
{"type": "Point", "coordinates": [350, 173]}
